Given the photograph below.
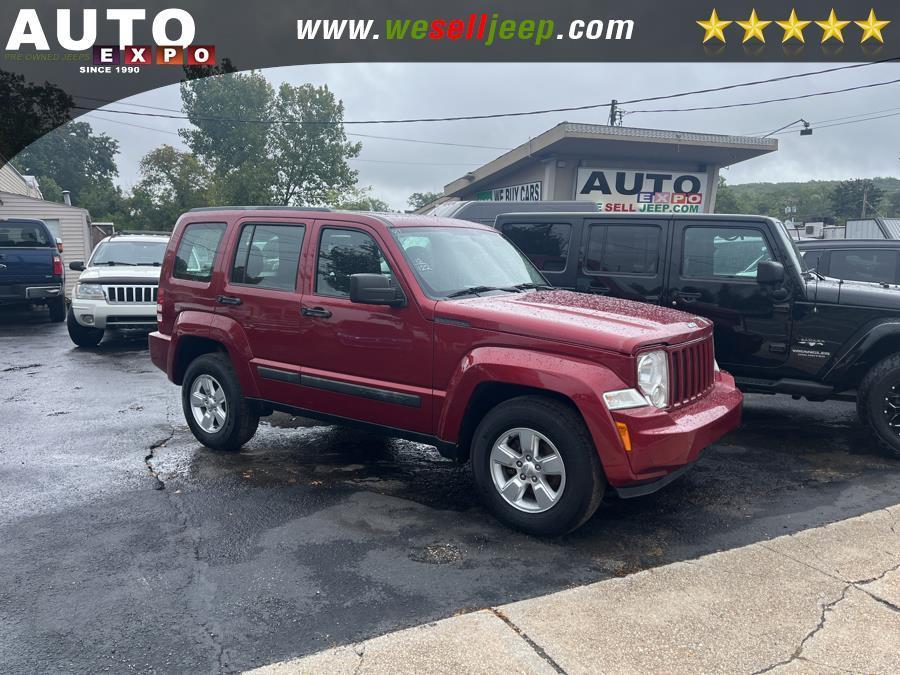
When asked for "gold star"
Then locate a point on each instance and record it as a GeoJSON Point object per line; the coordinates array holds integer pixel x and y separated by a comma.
{"type": "Point", "coordinates": [832, 27]}
{"type": "Point", "coordinates": [713, 27]}
{"type": "Point", "coordinates": [793, 27]}
{"type": "Point", "coordinates": [753, 27]}
{"type": "Point", "coordinates": [871, 27]}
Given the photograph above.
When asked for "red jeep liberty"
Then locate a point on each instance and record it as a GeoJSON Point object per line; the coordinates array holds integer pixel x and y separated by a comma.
{"type": "Point", "coordinates": [438, 331]}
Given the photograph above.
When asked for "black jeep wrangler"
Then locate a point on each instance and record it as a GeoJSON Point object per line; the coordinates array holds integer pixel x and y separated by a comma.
{"type": "Point", "coordinates": [779, 328]}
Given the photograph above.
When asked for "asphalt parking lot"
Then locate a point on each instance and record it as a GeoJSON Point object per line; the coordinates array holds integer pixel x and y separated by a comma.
{"type": "Point", "coordinates": [126, 546]}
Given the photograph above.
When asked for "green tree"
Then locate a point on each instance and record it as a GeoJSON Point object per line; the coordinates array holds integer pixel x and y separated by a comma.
{"type": "Point", "coordinates": [30, 111]}
{"type": "Point", "coordinates": [893, 204]}
{"type": "Point", "coordinates": [726, 200]}
{"type": "Point", "coordinates": [309, 149]}
{"type": "Point", "coordinates": [235, 152]}
{"type": "Point", "coordinates": [268, 147]}
{"type": "Point", "coordinates": [361, 199]}
{"type": "Point", "coordinates": [419, 199]}
{"type": "Point", "coordinates": [74, 157]}
{"type": "Point", "coordinates": [172, 182]}
{"type": "Point", "coordinates": [847, 197]}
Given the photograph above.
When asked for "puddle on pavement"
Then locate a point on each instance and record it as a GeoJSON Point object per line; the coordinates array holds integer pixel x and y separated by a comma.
{"type": "Point", "coordinates": [295, 451]}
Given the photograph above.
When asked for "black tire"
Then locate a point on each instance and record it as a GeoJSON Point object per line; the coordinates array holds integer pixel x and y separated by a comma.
{"type": "Point", "coordinates": [83, 336]}
{"type": "Point", "coordinates": [585, 482]}
{"type": "Point", "coordinates": [57, 307]}
{"type": "Point", "coordinates": [241, 418]}
{"type": "Point", "coordinates": [878, 392]}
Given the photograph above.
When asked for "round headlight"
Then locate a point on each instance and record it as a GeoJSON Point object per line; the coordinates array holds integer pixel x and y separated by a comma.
{"type": "Point", "coordinates": [653, 377]}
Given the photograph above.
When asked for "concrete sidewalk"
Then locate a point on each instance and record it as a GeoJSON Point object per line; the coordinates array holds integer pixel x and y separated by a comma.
{"type": "Point", "coordinates": [825, 600]}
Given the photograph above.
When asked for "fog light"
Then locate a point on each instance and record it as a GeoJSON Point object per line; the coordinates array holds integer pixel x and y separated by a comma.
{"type": "Point", "coordinates": [88, 319]}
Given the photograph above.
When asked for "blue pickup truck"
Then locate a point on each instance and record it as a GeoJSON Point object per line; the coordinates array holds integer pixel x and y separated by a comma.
{"type": "Point", "coordinates": [31, 269]}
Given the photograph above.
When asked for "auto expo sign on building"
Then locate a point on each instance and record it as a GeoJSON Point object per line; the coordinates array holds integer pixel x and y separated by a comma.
{"type": "Point", "coordinates": [631, 191]}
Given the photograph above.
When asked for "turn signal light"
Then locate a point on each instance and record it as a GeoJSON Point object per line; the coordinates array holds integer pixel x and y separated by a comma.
{"type": "Point", "coordinates": [623, 434]}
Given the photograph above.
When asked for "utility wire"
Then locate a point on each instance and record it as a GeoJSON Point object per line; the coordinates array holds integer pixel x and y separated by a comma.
{"type": "Point", "coordinates": [529, 112]}
{"type": "Point", "coordinates": [781, 99]}
{"type": "Point", "coordinates": [833, 119]}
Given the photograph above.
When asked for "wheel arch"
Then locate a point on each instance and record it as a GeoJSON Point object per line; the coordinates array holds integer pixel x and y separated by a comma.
{"type": "Point", "coordinates": [870, 346]}
{"type": "Point", "coordinates": [487, 376]}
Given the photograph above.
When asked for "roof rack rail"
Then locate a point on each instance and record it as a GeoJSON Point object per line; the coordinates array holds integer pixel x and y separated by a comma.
{"type": "Point", "coordinates": [259, 208]}
{"type": "Point", "coordinates": [161, 233]}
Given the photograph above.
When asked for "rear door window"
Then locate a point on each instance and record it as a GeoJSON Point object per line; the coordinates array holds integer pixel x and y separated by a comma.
{"type": "Point", "coordinates": [267, 256]}
{"type": "Point", "coordinates": [545, 244]}
{"type": "Point", "coordinates": [197, 250]}
{"type": "Point", "coordinates": [864, 265]}
{"type": "Point", "coordinates": [623, 249]}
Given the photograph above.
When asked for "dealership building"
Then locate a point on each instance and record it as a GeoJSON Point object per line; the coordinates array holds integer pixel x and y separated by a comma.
{"type": "Point", "coordinates": [623, 169]}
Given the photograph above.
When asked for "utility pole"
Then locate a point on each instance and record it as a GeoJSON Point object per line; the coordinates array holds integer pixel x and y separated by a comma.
{"type": "Point", "coordinates": [865, 195]}
{"type": "Point", "coordinates": [613, 112]}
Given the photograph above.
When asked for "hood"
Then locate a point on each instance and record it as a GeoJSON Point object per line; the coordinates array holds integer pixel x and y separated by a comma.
{"type": "Point", "coordinates": [590, 320]}
{"type": "Point", "coordinates": [120, 274]}
{"type": "Point", "coordinates": [853, 293]}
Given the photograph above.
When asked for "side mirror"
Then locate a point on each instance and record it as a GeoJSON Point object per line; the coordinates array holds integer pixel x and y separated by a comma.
{"type": "Point", "coordinates": [375, 289]}
{"type": "Point", "coordinates": [77, 266]}
{"type": "Point", "coordinates": [770, 273]}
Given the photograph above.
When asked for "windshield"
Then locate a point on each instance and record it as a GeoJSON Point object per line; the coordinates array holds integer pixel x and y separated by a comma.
{"type": "Point", "coordinates": [121, 252]}
{"type": "Point", "coordinates": [449, 260]}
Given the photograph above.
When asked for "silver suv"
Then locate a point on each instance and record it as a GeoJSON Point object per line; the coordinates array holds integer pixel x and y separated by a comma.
{"type": "Point", "coordinates": [117, 288]}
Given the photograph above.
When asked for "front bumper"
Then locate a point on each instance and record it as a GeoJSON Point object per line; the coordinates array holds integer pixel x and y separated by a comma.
{"type": "Point", "coordinates": [665, 441]}
{"type": "Point", "coordinates": [118, 316]}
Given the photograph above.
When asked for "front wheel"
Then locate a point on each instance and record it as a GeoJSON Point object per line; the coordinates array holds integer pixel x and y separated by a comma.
{"type": "Point", "coordinates": [83, 336]}
{"type": "Point", "coordinates": [878, 402]}
{"type": "Point", "coordinates": [214, 408]}
{"type": "Point", "coordinates": [536, 467]}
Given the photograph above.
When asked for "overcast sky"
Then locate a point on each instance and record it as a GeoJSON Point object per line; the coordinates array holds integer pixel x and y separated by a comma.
{"type": "Point", "coordinates": [396, 169]}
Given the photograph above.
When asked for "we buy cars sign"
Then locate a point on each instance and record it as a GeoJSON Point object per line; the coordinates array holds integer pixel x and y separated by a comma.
{"type": "Point", "coordinates": [636, 191]}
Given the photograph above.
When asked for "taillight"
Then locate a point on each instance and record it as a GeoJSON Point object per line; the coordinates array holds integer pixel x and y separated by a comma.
{"type": "Point", "coordinates": [159, 305]}
{"type": "Point", "coordinates": [57, 266]}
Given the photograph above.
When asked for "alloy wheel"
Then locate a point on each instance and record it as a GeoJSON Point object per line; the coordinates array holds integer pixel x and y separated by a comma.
{"type": "Point", "coordinates": [527, 470]}
{"type": "Point", "coordinates": [208, 404]}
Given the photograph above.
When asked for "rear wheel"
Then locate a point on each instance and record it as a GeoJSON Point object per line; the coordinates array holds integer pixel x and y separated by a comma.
{"type": "Point", "coordinates": [57, 307]}
{"type": "Point", "coordinates": [878, 402]}
{"type": "Point", "coordinates": [214, 407]}
{"type": "Point", "coordinates": [83, 336]}
{"type": "Point", "coordinates": [536, 467]}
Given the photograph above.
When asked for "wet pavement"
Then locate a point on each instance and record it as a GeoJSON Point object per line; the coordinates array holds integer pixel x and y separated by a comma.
{"type": "Point", "coordinates": [126, 546]}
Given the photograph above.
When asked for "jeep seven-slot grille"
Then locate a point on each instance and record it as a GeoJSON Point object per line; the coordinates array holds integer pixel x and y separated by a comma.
{"type": "Point", "coordinates": [691, 371]}
{"type": "Point", "coordinates": [131, 294]}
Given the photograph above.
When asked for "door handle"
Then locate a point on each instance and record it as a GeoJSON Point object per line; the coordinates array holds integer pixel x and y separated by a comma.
{"type": "Point", "coordinates": [320, 312]}
{"type": "Point", "coordinates": [228, 300]}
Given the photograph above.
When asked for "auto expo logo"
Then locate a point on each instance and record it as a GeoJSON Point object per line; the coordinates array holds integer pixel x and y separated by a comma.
{"type": "Point", "coordinates": [173, 32]}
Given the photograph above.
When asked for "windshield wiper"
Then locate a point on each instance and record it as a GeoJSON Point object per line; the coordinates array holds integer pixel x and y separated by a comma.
{"type": "Point", "coordinates": [113, 263]}
{"type": "Point", "coordinates": [475, 290]}
{"type": "Point", "coordinates": [529, 286]}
